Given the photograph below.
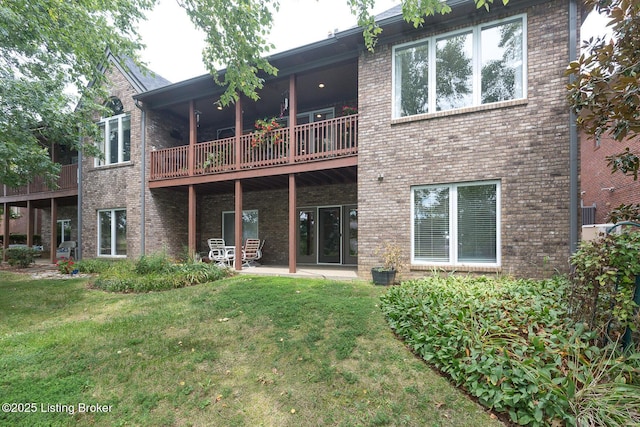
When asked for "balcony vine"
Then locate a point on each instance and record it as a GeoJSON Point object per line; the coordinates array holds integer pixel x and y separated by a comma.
{"type": "Point", "coordinates": [266, 132]}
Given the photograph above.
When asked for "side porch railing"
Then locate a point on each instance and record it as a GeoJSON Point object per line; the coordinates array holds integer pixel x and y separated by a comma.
{"type": "Point", "coordinates": [68, 180]}
{"type": "Point", "coordinates": [311, 142]}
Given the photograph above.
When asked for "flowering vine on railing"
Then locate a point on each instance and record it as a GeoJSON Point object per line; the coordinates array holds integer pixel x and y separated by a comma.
{"type": "Point", "coordinates": [264, 133]}
{"type": "Point", "coordinates": [347, 110]}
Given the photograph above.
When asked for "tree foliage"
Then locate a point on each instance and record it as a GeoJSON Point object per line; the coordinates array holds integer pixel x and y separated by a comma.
{"type": "Point", "coordinates": [50, 46]}
{"type": "Point", "coordinates": [52, 54]}
{"type": "Point", "coordinates": [605, 91]}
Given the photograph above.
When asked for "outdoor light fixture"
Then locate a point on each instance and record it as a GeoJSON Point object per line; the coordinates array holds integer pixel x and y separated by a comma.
{"type": "Point", "coordinates": [321, 85]}
{"type": "Point", "coordinates": [197, 117]}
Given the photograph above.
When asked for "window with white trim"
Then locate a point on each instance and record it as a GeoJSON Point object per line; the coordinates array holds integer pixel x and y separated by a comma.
{"type": "Point", "coordinates": [249, 226]}
{"type": "Point", "coordinates": [115, 140]}
{"type": "Point", "coordinates": [112, 232]}
{"type": "Point", "coordinates": [473, 66]}
{"type": "Point", "coordinates": [456, 224]}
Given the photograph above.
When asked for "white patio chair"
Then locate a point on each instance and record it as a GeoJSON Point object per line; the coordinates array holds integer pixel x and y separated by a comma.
{"type": "Point", "coordinates": [218, 252]}
{"type": "Point", "coordinates": [250, 252]}
{"type": "Point", "coordinates": [66, 249]}
{"type": "Point", "coordinates": [259, 254]}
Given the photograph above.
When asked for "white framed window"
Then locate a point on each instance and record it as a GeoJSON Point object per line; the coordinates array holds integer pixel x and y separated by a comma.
{"type": "Point", "coordinates": [456, 224]}
{"type": "Point", "coordinates": [112, 232]}
{"type": "Point", "coordinates": [115, 140]}
{"type": "Point", "coordinates": [470, 67]}
{"type": "Point", "coordinates": [249, 226]}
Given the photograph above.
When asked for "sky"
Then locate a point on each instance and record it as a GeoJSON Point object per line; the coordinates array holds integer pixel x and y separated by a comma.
{"type": "Point", "coordinates": [174, 47]}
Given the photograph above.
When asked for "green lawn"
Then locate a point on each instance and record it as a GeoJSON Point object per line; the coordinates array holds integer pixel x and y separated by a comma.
{"type": "Point", "coordinates": [244, 351]}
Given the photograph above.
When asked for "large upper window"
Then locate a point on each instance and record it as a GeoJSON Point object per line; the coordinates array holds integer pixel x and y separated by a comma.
{"type": "Point", "coordinates": [474, 66]}
{"type": "Point", "coordinates": [115, 137]}
{"type": "Point", "coordinates": [112, 232]}
{"type": "Point", "coordinates": [456, 224]}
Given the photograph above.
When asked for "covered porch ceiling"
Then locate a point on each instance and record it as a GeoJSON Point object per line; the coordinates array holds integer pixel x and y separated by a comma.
{"type": "Point", "coordinates": [314, 89]}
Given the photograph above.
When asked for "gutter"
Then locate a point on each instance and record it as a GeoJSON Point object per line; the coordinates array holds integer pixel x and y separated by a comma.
{"type": "Point", "coordinates": [143, 176]}
{"type": "Point", "coordinates": [573, 136]}
{"type": "Point", "coordinates": [79, 201]}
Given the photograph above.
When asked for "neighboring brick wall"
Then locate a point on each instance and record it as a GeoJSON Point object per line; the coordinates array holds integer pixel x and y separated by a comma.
{"type": "Point", "coordinates": [607, 190]}
{"type": "Point", "coordinates": [524, 145]}
{"type": "Point", "coordinates": [115, 186]}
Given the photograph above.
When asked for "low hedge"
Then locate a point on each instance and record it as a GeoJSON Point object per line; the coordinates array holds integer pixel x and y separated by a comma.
{"type": "Point", "coordinates": [150, 273]}
{"type": "Point", "coordinates": [510, 343]}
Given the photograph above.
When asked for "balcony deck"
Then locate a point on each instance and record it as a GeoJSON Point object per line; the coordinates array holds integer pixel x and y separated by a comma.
{"type": "Point", "coordinates": [67, 186]}
{"type": "Point", "coordinates": [326, 144]}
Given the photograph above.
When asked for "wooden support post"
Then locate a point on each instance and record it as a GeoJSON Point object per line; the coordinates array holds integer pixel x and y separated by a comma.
{"type": "Point", "coordinates": [54, 230]}
{"type": "Point", "coordinates": [6, 216]}
{"type": "Point", "coordinates": [293, 237]}
{"type": "Point", "coordinates": [238, 224]}
{"type": "Point", "coordinates": [192, 136]}
{"type": "Point", "coordinates": [29, 224]}
{"type": "Point", "coordinates": [238, 132]}
{"type": "Point", "coordinates": [192, 220]}
{"type": "Point", "coordinates": [293, 112]}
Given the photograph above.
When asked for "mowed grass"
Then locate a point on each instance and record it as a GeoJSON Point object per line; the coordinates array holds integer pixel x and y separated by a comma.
{"type": "Point", "coordinates": [244, 351]}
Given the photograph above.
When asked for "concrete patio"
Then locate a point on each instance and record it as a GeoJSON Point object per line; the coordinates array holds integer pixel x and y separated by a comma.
{"type": "Point", "coordinates": [311, 271]}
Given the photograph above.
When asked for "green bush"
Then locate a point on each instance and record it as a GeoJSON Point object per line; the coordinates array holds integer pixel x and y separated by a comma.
{"type": "Point", "coordinates": [157, 275]}
{"type": "Point", "coordinates": [509, 343]}
{"type": "Point", "coordinates": [95, 265]}
{"type": "Point", "coordinates": [155, 263]}
{"type": "Point", "coordinates": [21, 257]}
{"type": "Point", "coordinates": [604, 281]}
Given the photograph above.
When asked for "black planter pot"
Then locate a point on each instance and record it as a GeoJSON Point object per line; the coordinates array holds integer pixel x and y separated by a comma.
{"type": "Point", "coordinates": [383, 277]}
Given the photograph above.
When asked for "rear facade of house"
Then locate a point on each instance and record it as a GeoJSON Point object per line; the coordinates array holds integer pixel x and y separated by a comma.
{"type": "Point", "coordinates": [452, 141]}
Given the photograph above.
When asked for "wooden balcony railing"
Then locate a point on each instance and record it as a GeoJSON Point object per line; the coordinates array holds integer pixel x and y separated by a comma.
{"type": "Point", "coordinates": [68, 180]}
{"type": "Point", "coordinates": [312, 142]}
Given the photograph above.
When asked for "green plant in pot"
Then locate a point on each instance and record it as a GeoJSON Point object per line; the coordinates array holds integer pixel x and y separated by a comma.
{"type": "Point", "coordinates": [391, 255]}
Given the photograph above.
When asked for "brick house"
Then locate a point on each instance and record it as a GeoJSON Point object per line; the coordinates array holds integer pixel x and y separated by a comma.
{"type": "Point", "coordinates": [453, 140]}
{"type": "Point", "coordinates": [602, 190]}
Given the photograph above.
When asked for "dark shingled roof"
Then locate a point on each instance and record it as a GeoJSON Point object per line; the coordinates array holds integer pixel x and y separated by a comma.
{"type": "Point", "coordinates": [394, 11]}
{"type": "Point", "coordinates": [147, 79]}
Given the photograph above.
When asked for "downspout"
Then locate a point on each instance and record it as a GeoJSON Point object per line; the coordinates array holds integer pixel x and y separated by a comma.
{"type": "Point", "coordinates": [143, 176]}
{"type": "Point", "coordinates": [79, 209]}
{"type": "Point", "coordinates": [573, 136]}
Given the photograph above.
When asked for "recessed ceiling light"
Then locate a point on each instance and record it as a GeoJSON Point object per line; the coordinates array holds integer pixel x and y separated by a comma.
{"type": "Point", "coordinates": [321, 85]}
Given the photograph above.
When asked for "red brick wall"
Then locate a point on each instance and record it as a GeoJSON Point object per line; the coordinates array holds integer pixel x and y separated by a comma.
{"type": "Point", "coordinates": [598, 184]}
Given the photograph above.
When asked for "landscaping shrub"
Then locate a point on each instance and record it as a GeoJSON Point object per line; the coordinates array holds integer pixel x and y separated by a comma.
{"type": "Point", "coordinates": [511, 344]}
{"type": "Point", "coordinates": [21, 257]}
{"type": "Point", "coordinates": [95, 265]}
{"type": "Point", "coordinates": [604, 281]}
{"type": "Point", "coordinates": [155, 263]}
{"type": "Point", "coordinates": [156, 273]}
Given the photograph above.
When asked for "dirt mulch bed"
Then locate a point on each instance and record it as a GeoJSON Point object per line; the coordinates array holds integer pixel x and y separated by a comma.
{"type": "Point", "coordinates": [40, 271]}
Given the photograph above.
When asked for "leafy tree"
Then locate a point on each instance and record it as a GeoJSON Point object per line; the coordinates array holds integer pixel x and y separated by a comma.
{"type": "Point", "coordinates": [49, 46]}
{"type": "Point", "coordinates": [52, 54]}
{"type": "Point", "coordinates": [605, 91]}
